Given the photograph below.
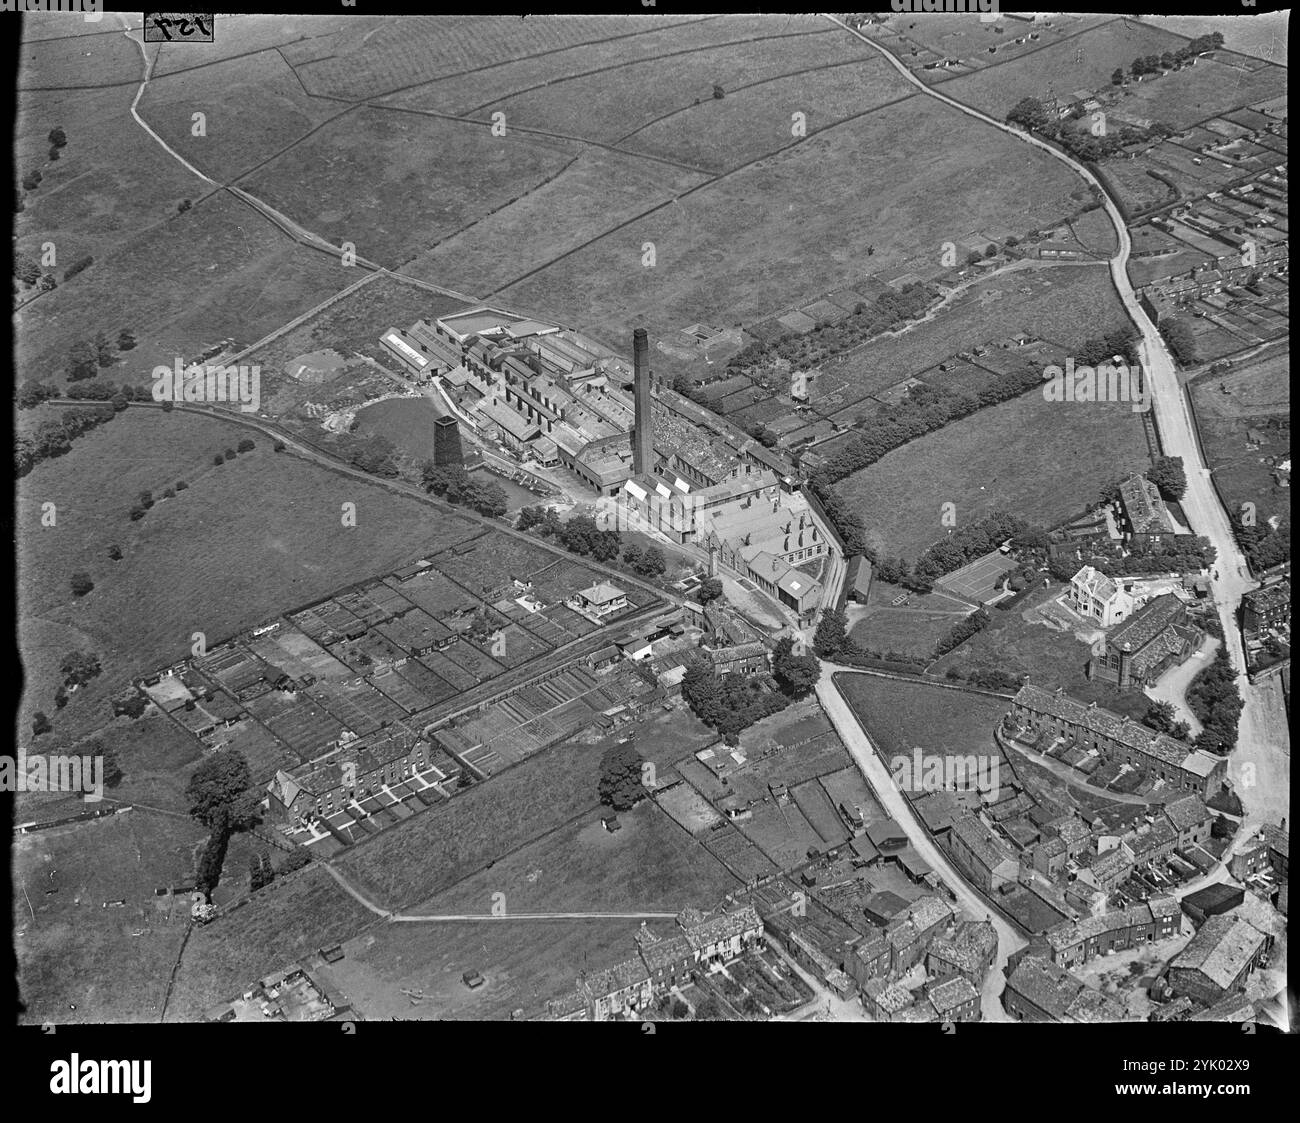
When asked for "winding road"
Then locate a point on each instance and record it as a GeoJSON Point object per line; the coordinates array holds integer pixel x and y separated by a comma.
{"type": "Point", "coordinates": [1260, 767]}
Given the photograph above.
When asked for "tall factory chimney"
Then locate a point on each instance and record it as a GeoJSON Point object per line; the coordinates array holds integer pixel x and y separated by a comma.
{"type": "Point", "coordinates": [643, 426]}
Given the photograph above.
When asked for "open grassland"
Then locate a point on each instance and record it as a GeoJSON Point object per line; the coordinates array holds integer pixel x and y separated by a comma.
{"type": "Point", "coordinates": [714, 246]}
{"type": "Point", "coordinates": [82, 62]}
{"type": "Point", "coordinates": [1214, 85]}
{"type": "Point", "coordinates": [394, 183]}
{"type": "Point", "coordinates": [523, 963]}
{"type": "Point", "coordinates": [617, 102]}
{"type": "Point", "coordinates": [285, 922]}
{"type": "Point", "coordinates": [901, 716]}
{"type": "Point", "coordinates": [757, 119]}
{"type": "Point", "coordinates": [437, 848]}
{"type": "Point", "coordinates": [650, 865]}
{"type": "Point", "coordinates": [111, 183]}
{"type": "Point", "coordinates": [1251, 401]}
{"type": "Point", "coordinates": [258, 36]}
{"type": "Point", "coordinates": [400, 54]}
{"type": "Point", "coordinates": [663, 40]}
{"type": "Point", "coordinates": [244, 541]}
{"type": "Point", "coordinates": [271, 112]}
{"type": "Point", "coordinates": [1065, 304]}
{"type": "Point", "coordinates": [79, 961]}
{"type": "Point", "coordinates": [598, 190]}
{"type": "Point", "coordinates": [1080, 62]}
{"type": "Point", "coordinates": [1041, 460]}
{"type": "Point", "coordinates": [1017, 642]}
{"type": "Point", "coordinates": [251, 279]}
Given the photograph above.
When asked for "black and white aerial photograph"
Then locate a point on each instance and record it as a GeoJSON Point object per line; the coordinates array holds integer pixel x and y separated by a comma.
{"type": "Point", "coordinates": [651, 516]}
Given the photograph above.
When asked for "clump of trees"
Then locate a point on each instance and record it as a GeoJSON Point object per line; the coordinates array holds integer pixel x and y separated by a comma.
{"type": "Point", "coordinates": [620, 785]}
{"type": "Point", "coordinates": [648, 562]}
{"type": "Point", "coordinates": [1168, 474]}
{"type": "Point", "coordinates": [1163, 718]}
{"type": "Point", "coordinates": [454, 484]}
{"type": "Point", "coordinates": [1217, 704]}
{"type": "Point", "coordinates": [223, 798]}
{"type": "Point", "coordinates": [1178, 334]}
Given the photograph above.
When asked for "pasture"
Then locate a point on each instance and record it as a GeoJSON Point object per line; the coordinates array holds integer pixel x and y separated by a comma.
{"type": "Point", "coordinates": [714, 245]}
{"type": "Point", "coordinates": [1043, 460]}
{"type": "Point", "coordinates": [662, 41]}
{"type": "Point", "coordinates": [246, 539]}
{"type": "Point", "coordinates": [80, 959]}
{"type": "Point", "coordinates": [285, 922]}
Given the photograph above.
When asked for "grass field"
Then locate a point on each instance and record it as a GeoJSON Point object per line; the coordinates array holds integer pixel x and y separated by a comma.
{"type": "Point", "coordinates": [77, 960]}
{"type": "Point", "coordinates": [1042, 460]}
{"type": "Point", "coordinates": [661, 41]}
{"type": "Point", "coordinates": [714, 246]}
{"type": "Point", "coordinates": [399, 55]}
{"type": "Point", "coordinates": [902, 716]}
{"type": "Point", "coordinates": [913, 630]}
{"type": "Point", "coordinates": [437, 848]}
{"type": "Point", "coordinates": [1257, 397]}
{"type": "Point", "coordinates": [1080, 62]}
{"type": "Point", "coordinates": [650, 865]}
{"type": "Point", "coordinates": [253, 280]}
{"type": "Point", "coordinates": [524, 963]}
{"type": "Point", "coordinates": [1212, 86]}
{"type": "Point", "coordinates": [598, 190]}
{"type": "Point", "coordinates": [270, 114]}
{"type": "Point", "coordinates": [597, 107]}
{"type": "Point", "coordinates": [345, 180]}
{"type": "Point", "coordinates": [283, 923]}
{"type": "Point", "coordinates": [246, 540]}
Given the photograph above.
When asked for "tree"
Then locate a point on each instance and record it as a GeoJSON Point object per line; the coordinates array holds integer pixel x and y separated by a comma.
{"type": "Point", "coordinates": [81, 584]}
{"type": "Point", "coordinates": [246, 445]}
{"type": "Point", "coordinates": [115, 552]}
{"type": "Point", "coordinates": [221, 791]}
{"type": "Point", "coordinates": [40, 723]}
{"type": "Point", "coordinates": [651, 562]}
{"type": "Point", "coordinates": [78, 266]}
{"type": "Point", "coordinates": [31, 180]}
{"type": "Point", "coordinates": [719, 92]}
{"type": "Point", "coordinates": [1168, 475]}
{"type": "Point", "coordinates": [26, 268]}
{"type": "Point", "coordinates": [278, 446]}
{"type": "Point", "coordinates": [218, 459]}
{"type": "Point", "coordinates": [104, 353]}
{"type": "Point", "coordinates": [113, 773]}
{"type": "Point", "coordinates": [795, 674]}
{"type": "Point", "coordinates": [231, 454]}
{"type": "Point", "coordinates": [83, 362]}
{"type": "Point", "coordinates": [185, 205]}
{"type": "Point", "coordinates": [620, 785]}
{"type": "Point", "coordinates": [710, 590]}
{"type": "Point", "coordinates": [58, 138]}
{"type": "Point", "coordinates": [831, 634]}
{"type": "Point", "coordinates": [125, 340]}
{"type": "Point", "coordinates": [79, 667]}
{"type": "Point", "coordinates": [1117, 78]}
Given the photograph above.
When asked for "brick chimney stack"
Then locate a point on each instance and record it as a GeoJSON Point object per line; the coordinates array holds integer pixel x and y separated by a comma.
{"type": "Point", "coordinates": [643, 426]}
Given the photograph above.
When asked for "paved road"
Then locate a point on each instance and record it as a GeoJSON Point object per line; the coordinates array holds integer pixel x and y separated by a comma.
{"type": "Point", "coordinates": [1261, 763]}
{"type": "Point", "coordinates": [1172, 686]}
{"type": "Point", "coordinates": [853, 735]}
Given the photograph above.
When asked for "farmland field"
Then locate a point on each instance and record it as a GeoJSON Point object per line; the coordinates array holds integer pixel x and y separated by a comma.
{"type": "Point", "coordinates": [712, 246]}
{"type": "Point", "coordinates": [1042, 460]}
{"type": "Point", "coordinates": [206, 560]}
{"type": "Point", "coordinates": [649, 865]}
{"type": "Point", "coordinates": [669, 46]}
{"type": "Point", "coordinates": [341, 180]}
{"type": "Point", "coordinates": [79, 961]}
{"type": "Point", "coordinates": [283, 923]}
{"type": "Point", "coordinates": [254, 281]}
{"type": "Point", "coordinates": [900, 716]}
{"type": "Point", "coordinates": [437, 848]}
